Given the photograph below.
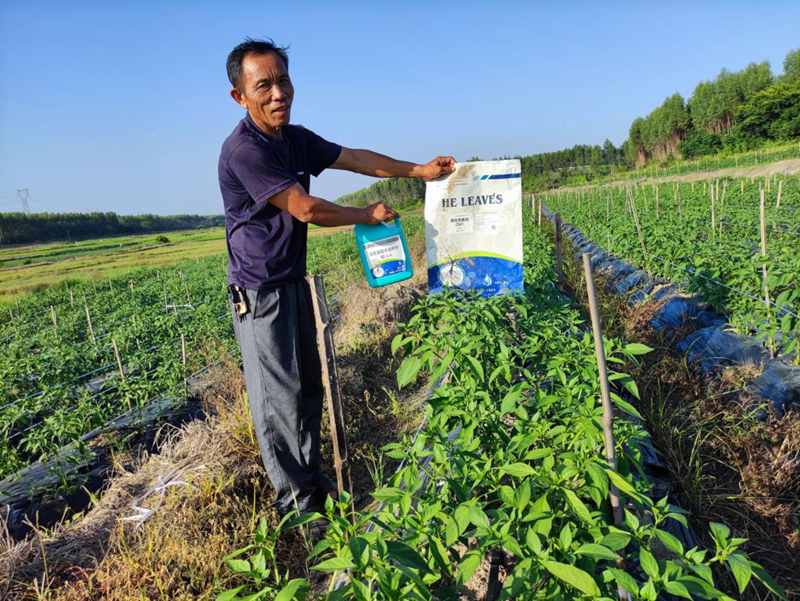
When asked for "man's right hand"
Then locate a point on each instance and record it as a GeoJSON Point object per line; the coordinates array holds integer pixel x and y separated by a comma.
{"type": "Point", "coordinates": [378, 212]}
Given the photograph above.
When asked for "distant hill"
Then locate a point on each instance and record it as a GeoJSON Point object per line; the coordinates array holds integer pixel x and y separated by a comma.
{"type": "Point", "coordinates": [23, 228]}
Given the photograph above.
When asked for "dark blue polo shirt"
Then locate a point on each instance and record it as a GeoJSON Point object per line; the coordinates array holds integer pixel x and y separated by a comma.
{"type": "Point", "coordinates": [267, 246]}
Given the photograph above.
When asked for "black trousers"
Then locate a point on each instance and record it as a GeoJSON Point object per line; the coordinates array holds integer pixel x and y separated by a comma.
{"type": "Point", "coordinates": [283, 376]}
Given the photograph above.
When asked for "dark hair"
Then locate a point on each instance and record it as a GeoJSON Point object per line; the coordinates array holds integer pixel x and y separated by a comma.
{"type": "Point", "coordinates": [251, 46]}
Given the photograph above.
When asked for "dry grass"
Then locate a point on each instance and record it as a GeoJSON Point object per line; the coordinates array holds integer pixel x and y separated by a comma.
{"type": "Point", "coordinates": [177, 553]}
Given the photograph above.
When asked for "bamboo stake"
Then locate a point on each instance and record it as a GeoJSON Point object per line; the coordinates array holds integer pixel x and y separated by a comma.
{"type": "Point", "coordinates": [53, 315]}
{"type": "Point", "coordinates": [762, 211]}
{"type": "Point", "coordinates": [780, 191]}
{"type": "Point", "coordinates": [71, 298]}
{"type": "Point", "coordinates": [330, 378]}
{"type": "Point", "coordinates": [742, 183]}
{"type": "Point", "coordinates": [605, 397]}
{"type": "Point", "coordinates": [559, 252]}
{"type": "Point", "coordinates": [540, 214]}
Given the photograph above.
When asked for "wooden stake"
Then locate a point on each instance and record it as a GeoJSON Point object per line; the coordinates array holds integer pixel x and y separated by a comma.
{"type": "Point", "coordinates": [183, 359]}
{"type": "Point", "coordinates": [713, 214]}
{"type": "Point", "coordinates": [71, 298]}
{"type": "Point", "coordinates": [89, 320]}
{"type": "Point", "coordinates": [605, 397]}
{"type": "Point", "coordinates": [742, 183]}
{"type": "Point", "coordinates": [119, 360]}
{"type": "Point", "coordinates": [657, 201]}
{"type": "Point", "coordinates": [330, 378]}
{"type": "Point", "coordinates": [780, 191]}
{"type": "Point", "coordinates": [540, 214]}
{"type": "Point", "coordinates": [762, 211]}
{"type": "Point", "coordinates": [559, 251]}
{"type": "Point", "coordinates": [53, 315]}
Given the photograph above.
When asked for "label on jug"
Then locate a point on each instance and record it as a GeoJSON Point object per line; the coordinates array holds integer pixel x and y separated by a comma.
{"type": "Point", "coordinates": [385, 257]}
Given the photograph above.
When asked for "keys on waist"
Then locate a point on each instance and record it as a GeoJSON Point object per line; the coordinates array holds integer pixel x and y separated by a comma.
{"type": "Point", "coordinates": [239, 299]}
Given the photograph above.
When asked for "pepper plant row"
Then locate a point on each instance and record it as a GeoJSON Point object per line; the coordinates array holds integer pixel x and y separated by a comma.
{"type": "Point", "coordinates": [511, 458]}
{"type": "Point", "coordinates": [716, 251]}
{"type": "Point", "coordinates": [59, 380]}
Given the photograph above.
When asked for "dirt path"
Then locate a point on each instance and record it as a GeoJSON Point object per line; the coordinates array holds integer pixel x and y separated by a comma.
{"type": "Point", "coordinates": [787, 167]}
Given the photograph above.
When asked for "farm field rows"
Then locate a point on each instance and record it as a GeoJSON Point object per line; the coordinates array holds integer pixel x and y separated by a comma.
{"type": "Point", "coordinates": [510, 459]}
{"type": "Point", "coordinates": [60, 378]}
{"type": "Point", "coordinates": [707, 236]}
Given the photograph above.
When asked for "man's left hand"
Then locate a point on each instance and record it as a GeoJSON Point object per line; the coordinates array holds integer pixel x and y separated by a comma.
{"type": "Point", "coordinates": [438, 166]}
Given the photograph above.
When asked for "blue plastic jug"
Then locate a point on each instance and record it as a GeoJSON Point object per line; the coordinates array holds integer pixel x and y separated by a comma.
{"type": "Point", "coordinates": [384, 253]}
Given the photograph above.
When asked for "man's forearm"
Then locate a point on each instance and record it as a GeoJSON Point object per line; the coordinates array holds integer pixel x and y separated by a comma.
{"type": "Point", "coordinates": [328, 214]}
{"type": "Point", "coordinates": [375, 164]}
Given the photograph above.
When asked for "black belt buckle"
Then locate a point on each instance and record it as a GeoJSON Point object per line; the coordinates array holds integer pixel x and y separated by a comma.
{"type": "Point", "coordinates": [239, 299]}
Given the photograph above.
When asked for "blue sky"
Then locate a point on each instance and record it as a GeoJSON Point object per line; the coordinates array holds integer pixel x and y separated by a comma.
{"type": "Point", "coordinates": [116, 106]}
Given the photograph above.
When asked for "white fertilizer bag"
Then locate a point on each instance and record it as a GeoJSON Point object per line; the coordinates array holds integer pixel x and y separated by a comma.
{"type": "Point", "coordinates": [473, 228]}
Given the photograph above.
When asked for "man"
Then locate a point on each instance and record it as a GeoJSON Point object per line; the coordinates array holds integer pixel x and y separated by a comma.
{"type": "Point", "coordinates": [264, 174]}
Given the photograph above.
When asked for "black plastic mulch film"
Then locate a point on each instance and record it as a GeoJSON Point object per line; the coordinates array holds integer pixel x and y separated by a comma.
{"type": "Point", "coordinates": [705, 336]}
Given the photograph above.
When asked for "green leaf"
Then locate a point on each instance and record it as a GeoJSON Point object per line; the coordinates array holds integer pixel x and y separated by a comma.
{"type": "Point", "coordinates": [334, 564]}
{"type": "Point", "coordinates": [476, 365]}
{"type": "Point", "coordinates": [596, 551]}
{"type": "Point", "coordinates": [625, 580]}
{"type": "Point", "coordinates": [399, 341]}
{"type": "Point", "coordinates": [616, 541]}
{"type": "Point", "coordinates": [389, 494]}
{"type": "Point", "coordinates": [304, 519]}
{"type": "Point", "coordinates": [648, 563]}
{"type": "Point", "coordinates": [577, 506]}
{"type": "Point", "coordinates": [625, 406]}
{"type": "Point", "coordinates": [518, 470]}
{"type": "Point", "coordinates": [466, 568]}
{"type": "Point", "coordinates": [522, 497]}
{"type": "Point", "coordinates": [767, 580]}
{"type": "Point", "coordinates": [627, 383]}
{"type": "Point", "coordinates": [359, 547]}
{"type": "Point", "coordinates": [295, 589]}
{"type": "Point", "coordinates": [230, 593]}
{"type": "Point", "coordinates": [510, 401]}
{"type": "Point", "coordinates": [670, 542]}
{"type": "Point", "coordinates": [402, 553]}
{"type": "Point", "coordinates": [575, 577]}
{"type": "Point", "coordinates": [677, 589]}
{"type": "Point", "coordinates": [740, 566]}
{"type": "Point", "coordinates": [451, 532]}
{"type": "Point", "coordinates": [440, 555]}
{"type": "Point", "coordinates": [239, 566]}
{"type": "Point", "coordinates": [622, 484]}
{"type": "Point", "coordinates": [535, 454]}
{"type": "Point", "coordinates": [408, 371]}
{"type": "Point", "coordinates": [635, 348]}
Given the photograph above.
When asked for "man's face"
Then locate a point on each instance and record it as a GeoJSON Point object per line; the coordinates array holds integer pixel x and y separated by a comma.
{"type": "Point", "coordinates": [266, 91]}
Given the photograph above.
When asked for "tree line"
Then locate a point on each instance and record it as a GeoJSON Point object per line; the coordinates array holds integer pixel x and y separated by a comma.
{"type": "Point", "coordinates": [24, 228]}
{"type": "Point", "coordinates": [736, 111]}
